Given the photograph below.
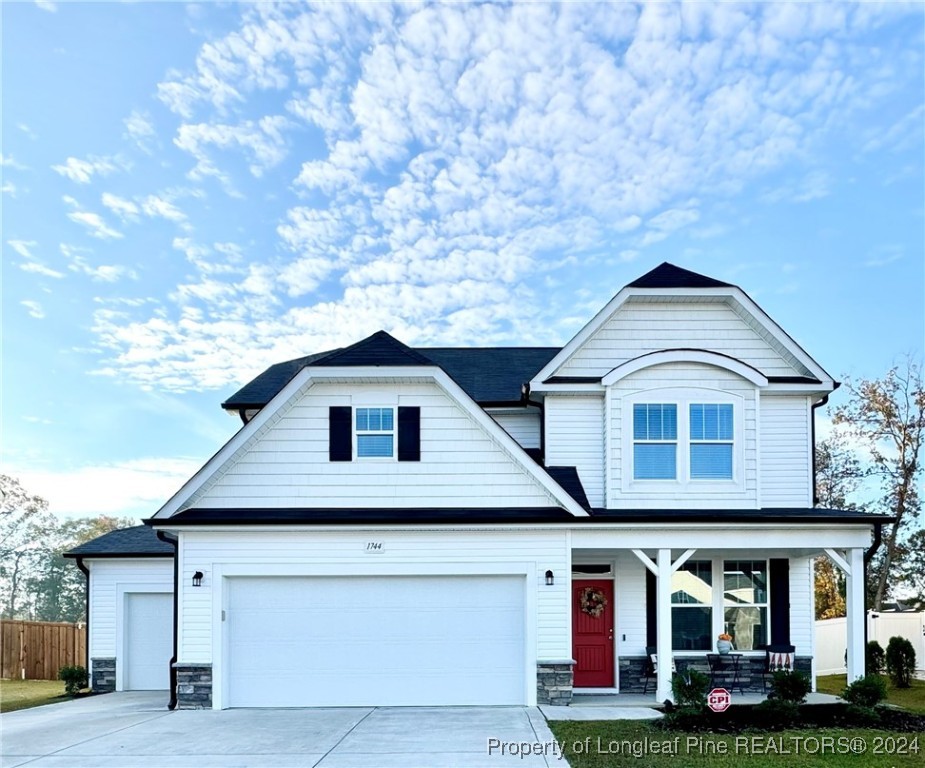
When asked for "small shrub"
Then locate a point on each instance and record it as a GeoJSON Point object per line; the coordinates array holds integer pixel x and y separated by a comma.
{"type": "Point", "coordinates": [74, 679]}
{"type": "Point", "coordinates": [791, 687]}
{"type": "Point", "coordinates": [875, 658]}
{"type": "Point", "coordinates": [689, 689]}
{"type": "Point", "coordinates": [777, 713]}
{"type": "Point", "coordinates": [860, 716]}
{"type": "Point", "coordinates": [900, 661]}
{"type": "Point", "coordinates": [867, 691]}
{"type": "Point", "coordinates": [686, 719]}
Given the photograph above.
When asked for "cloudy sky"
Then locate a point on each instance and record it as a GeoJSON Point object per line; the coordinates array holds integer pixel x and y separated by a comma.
{"type": "Point", "coordinates": [193, 192]}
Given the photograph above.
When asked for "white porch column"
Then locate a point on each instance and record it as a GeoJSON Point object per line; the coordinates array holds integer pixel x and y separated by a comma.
{"type": "Point", "coordinates": [854, 602]}
{"type": "Point", "coordinates": [663, 625]}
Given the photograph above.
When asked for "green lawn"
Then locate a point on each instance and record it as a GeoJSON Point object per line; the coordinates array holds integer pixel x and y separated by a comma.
{"type": "Point", "coordinates": [912, 698]}
{"type": "Point", "coordinates": [634, 743]}
{"type": "Point", "coordinates": [22, 694]}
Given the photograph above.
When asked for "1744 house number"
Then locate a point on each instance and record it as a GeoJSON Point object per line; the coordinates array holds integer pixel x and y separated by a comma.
{"type": "Point", "coordinates": [374, 548]}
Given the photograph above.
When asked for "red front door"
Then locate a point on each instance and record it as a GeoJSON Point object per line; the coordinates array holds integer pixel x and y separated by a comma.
{"type": "Point", "coordinates": [592, 632]}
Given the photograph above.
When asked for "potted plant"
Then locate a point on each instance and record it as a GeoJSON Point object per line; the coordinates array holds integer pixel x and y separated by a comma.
{"type": "Point", "coordinates": [724, 644]}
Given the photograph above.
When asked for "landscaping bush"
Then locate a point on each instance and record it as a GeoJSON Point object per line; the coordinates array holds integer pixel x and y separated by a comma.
{"type": "Point", "coordinates": [859, 716]}
{"type": "Point", "coordinates": [867, 691]}
{"type": "Point", "coordinates": [875, 658]}
{"type": "Point", "coordinates": [791, 687]}
{"type": "Point", "coordinates": [74, 679]}
{"type": "Point", "coordinates": [689, 689]}
{"type": "Point", "coordinates": [777, 713]}
{"type": "Point", "coordinates": [900, 661]}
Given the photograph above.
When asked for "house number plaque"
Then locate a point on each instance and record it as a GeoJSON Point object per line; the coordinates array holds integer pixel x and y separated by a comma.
{"type": "Point", "coordinates": [374, 548]}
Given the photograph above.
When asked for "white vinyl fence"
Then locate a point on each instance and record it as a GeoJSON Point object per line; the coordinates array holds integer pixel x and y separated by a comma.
{"type": "Point", "coordinates": [831, 638]}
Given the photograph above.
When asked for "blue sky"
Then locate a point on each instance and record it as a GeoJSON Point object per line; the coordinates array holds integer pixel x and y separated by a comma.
{"type": "Point", "coordinates": [193, 192]}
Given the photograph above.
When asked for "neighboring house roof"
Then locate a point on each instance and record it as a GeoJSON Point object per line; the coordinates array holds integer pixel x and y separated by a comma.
{"type": "Point", "coordinates": [503, 515]}
{"type": "Point", "coordinates": [667, 275]}
{"type": "Point", "coordinates": [139, 541]}
{"type": "Point", "coordinates": [488, 375]}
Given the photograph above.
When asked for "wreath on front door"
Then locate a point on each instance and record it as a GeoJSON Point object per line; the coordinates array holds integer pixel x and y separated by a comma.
{"type": "Point", "coordinates": [592, 601]}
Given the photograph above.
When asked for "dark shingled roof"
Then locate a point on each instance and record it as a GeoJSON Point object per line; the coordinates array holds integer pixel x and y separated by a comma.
{"type": "Point", "coordinates": [140, 540]}
{"type": "Point", "coordinates": [568, 478]}
{"type": "Point", "coordinates": [488, 375]}
{"type": "Point", "coordinates": [667, 275]}
{"type": "Point", "coordinates": [764, 515]}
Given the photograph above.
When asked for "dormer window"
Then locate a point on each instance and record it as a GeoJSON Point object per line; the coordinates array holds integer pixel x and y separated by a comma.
{"type": "Point", "coordinates": [655, 441]}
{"type": "Point", "coordinates": [711, 441]}
{"type": "Point", "coordinates": [375, 433]}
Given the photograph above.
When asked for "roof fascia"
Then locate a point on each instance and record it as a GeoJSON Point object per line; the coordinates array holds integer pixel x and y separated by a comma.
{"type": "Point", "coordinates": [579, 389]}
{"type": "Point", "coordinates": [687, 356]}
{"type": "Point", "coordinates": [307, 376]}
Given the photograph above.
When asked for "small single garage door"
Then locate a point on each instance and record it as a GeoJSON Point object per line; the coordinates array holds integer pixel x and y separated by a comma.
{"type": "Point", "coordinates": [148, 641]}
{"type": "Point", "coordinates": [363, 641]}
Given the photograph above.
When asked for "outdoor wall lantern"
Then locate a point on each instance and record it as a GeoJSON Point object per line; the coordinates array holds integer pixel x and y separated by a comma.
{"type": "Point", "coordinates": [550, 579]}
{"type": "Point", "coordinates": [197, 579]}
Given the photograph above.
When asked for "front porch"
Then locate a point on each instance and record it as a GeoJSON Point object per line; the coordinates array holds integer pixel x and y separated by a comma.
{"type": "Point", "coordinates": [671, 601]}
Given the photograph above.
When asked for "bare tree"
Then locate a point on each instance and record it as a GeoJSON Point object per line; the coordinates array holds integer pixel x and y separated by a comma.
{"type": "Point", "coordinates": [24, 524]}
{"type": "Point", "coordinates": [887, 416]}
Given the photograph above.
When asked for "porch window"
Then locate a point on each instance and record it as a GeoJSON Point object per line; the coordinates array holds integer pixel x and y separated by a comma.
{"type": "Point", "coordinates": [711, 437]}
{"type": "Point", "coordinates": [745, 602]}
{"type": "Point", "coordinates": [655, 441]}
{"type": "Point", "coordinates": [692, 606]}
{"type": "Point", "coordinates": [375, 432]}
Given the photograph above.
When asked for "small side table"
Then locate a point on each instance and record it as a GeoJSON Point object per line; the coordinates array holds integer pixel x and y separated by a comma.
{"type": "Point", "coordinates": [723, 664]}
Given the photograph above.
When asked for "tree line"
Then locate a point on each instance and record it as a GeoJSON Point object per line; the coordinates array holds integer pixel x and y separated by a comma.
{"type": "Point", "coordinates": [36, 582]}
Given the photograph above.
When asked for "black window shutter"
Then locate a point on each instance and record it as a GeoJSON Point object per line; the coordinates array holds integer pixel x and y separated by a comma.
{"type": "Point", "coordinates": [779, 584]}
{"type": "Point", "coordinates": [340, 433]}
{"type": "Point", "coordinates": [651, 612]}
{"type": "Point", "coordinates": [409, 433]}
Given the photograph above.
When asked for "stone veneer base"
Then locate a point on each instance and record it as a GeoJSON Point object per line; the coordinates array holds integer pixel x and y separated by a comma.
{"type": "Point", "coordinates": [554, 683]}
{"type": "Point", "coordinates": [751, 672]}
{"type": "Point", "coordinates": [103, 675]}
{"type": "Point", "coordinates": [194, 686]}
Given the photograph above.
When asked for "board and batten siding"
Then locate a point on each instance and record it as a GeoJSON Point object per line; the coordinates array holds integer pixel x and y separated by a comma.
{"type": "Point", "coordinates": [524, 427]}
{"type": "Point", "coordinates": [575, 438]}
{"type": "Point", "coordinates": [685, 378]}
{"type": "Point", "coordinates": [638, 328]}
{"type": "Point", "coordinates": [802, 620]}
{"type": "Point", "coordinates": [109, 581]}
{"type": "Point", "coordinates": [786, 453]}
{"type": "Point", "coordinates": [343, 553]}
{"type": "Point", "coordinates": [287, 465]}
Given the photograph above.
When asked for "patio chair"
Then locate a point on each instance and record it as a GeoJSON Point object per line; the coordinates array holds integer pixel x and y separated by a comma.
{"type": "Point", "coordinates": [778, 658]}
{"type": "Point", "coordinates": [652, 666]}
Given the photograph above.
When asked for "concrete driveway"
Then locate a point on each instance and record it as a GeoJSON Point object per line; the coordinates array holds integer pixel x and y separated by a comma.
{"type": "Point", "coordinates": [125, 730]}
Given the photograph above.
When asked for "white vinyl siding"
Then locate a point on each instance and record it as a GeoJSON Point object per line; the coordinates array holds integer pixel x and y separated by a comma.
{"type": "Point", "coordinates": [286, 465]}
{"type": "Point", "coordinates": [575, 438]}
{"type": "Point", "coordinates": [335, 552]}
{"type": "Point", "coordinates": [524, 427]}
{"type": "Point", "coordinates": [699, 383]}
{"type": "Point", "coordinates": [802, 620]}
{"type": "Point", "coordinates": [110, 579]}
{"type": "Point", "coordinates": [630, 592]}
{"type": "Point", "coordinates": [640, 327]}
{"type": "Point", "coordinates": [786, 453]}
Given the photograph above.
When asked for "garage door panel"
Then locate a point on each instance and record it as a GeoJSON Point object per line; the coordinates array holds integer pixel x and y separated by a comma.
{"type": "Point", "coordinates": [324, 641]}
{"type": "Point", "coordinates": [148, 641]}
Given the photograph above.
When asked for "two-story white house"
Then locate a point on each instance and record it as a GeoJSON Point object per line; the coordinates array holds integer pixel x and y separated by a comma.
{"type": "Point", "coordinates": [397, 526]}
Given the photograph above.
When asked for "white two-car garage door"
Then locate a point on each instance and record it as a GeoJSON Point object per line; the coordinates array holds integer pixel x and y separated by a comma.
{"type": "Point", "coordinates": [390, 640]}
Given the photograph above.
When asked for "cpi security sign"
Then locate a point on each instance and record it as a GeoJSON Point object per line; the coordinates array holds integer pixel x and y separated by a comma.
{"type": "Point", "coordinates": [719, 699]}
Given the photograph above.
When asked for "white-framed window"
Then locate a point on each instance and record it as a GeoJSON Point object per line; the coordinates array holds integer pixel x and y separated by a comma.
{"type": "Point", "coordinates": [745, 603]}
{"type": "Point", "coordinates": [375, 432]}
{"type": "Point", "coordinates": [712, 432]}
{"type": "Point", "coordinates": [655, 441]}
{"type": "Point", "coordinates": [700, 611]}
{"type": "Point", "coordinates": [677, 439]}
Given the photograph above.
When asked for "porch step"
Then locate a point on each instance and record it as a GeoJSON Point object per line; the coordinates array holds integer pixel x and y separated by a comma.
{"type": "Point", "coordinates": [613, 700]}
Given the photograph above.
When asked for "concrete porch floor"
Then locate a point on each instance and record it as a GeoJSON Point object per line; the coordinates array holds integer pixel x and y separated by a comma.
{"type": "Point", "coordinates": [637, 706]}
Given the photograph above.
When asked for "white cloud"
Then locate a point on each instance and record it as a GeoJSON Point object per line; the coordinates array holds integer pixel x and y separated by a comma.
{"type": "Point", "coordinates": [94, 224]}
{"type": "Point", "coordinates": [133, 488]}
{"type": "Point", "coordinates": [140, 130]}
{"type": "Point", "coordinates": [124, 209]}
{"type": "Point", "coordinates": [47, 5]}
{"type": "Point", "coordinates": [468, 151]}
{"type": "Point", "coordinates": [9, 188]}
{"type": "Point", "coordinates": [155, 206]}
{"type": "Point", "coordinates": [82, 171]}
{"type": "Point", "coordinates": [8, 161]}
{"type": "Point", "coordinates": [885, 255]}
{"type": "Point", "coordinates": [23, 247]}
{"type": "Point", "coordinates": [40, 269]}
{"type": "Point", "coordinates": [34, 308]}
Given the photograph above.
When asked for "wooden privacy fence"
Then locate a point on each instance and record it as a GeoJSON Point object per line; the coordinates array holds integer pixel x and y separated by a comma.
{"type": "Point", "coordinates": [36, 650]}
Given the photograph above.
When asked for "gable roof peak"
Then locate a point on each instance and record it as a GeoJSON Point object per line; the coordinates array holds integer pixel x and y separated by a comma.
{"type": "Point", "coordinates": [667, 275]}
{"type": "Point", "coordinates": [379, 349]}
